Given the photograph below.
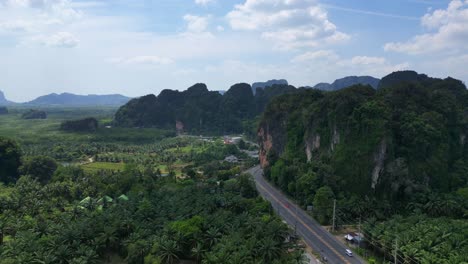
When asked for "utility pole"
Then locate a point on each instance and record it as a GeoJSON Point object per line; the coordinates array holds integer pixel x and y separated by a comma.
{"type": "Point", "coordinates": [396, 250]}
{"type": "Point", "coordinates": [334, 209]}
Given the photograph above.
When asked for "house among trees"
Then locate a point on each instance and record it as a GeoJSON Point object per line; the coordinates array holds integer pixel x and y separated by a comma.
{"type": "Point", "coordinates": [231, 159]}
{"type": "Point", "coordinates": [354, 237]}
{"type": "Point", "coordinates": [232, 140]}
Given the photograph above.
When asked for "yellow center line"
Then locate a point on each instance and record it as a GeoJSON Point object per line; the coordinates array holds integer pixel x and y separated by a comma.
{"type": "Point", "coordinates": [306, 226]}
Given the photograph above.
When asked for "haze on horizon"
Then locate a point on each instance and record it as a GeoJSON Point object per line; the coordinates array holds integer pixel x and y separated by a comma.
{"type": "Point", "coordinates": [140, 47]}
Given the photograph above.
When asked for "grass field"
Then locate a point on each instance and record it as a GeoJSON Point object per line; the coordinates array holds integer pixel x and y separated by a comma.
{"type": "Point", "coordinates": [37, 131]}
{"type": "Point", "coordinates": [32, 131]}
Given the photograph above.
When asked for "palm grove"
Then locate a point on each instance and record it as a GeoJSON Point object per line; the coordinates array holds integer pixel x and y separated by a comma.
{"type": "Point", "coordinates": [64, 214]}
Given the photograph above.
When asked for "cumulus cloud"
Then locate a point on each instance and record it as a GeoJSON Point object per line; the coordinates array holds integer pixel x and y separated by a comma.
{"type": "Point", "coordinates": [196, 24]}
{"type": "Point", "coordinates": [291, 24]}
{"type": "Point", "coordinates": [447, 30]}
{"type": "Point", "coordinates": [62, 9]}
{"type": "Point", "coordinates": [39, 22]}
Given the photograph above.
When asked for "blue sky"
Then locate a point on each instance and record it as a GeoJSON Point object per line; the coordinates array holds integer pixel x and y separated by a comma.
{"type": "Point", "coordinates": [137, 47]}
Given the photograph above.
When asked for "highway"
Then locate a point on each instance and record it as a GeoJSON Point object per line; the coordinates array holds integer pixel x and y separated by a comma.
{"type": "Point", "coordinates": [314, 235]}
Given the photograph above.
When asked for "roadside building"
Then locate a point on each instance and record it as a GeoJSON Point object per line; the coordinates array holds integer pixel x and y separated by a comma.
{"type": "Point", "coordinates": [231, 159]}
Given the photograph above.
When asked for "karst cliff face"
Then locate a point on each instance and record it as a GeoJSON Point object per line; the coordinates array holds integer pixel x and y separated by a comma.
{"type": "Point", "coordinates": [404, 137]}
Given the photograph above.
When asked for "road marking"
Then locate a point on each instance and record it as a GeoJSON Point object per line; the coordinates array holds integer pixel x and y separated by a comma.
{"type": "Point", "coordinates": [306, 226]}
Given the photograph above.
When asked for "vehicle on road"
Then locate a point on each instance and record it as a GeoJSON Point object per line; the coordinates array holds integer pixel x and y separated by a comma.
{"type": "Point", "coordinates": [349, 252]}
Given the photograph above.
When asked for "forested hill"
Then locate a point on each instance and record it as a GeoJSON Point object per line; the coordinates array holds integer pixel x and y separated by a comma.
{"type": "Point", "coordinates": [198, 110]}
{"type": "Point", "coordinates": [399, 143]}
{"type": "Point", "coordinates": [262, 85]}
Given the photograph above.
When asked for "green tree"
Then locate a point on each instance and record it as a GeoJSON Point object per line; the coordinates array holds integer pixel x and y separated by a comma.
{"type": "Point", "coordinates": [40, 167]}
{"type": "Point", "coordinates": [10, 158]}
{"type": "Point", "coordinates": [247, 186]}
{"type": "Point", "coordinates": [323, 204]}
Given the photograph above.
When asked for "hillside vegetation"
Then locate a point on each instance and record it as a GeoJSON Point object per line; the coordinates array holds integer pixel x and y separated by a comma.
{"type": "Point", "coordinates": [34, 114]}
{"type": "Point", "coordinates": [400, 149]}
{"type": "Point", "coordinates": [198, 110]}
{"type": "Point", "coordinates": [89, 124]}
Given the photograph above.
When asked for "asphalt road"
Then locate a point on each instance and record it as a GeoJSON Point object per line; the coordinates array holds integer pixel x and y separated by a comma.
{"type": "Point", "coordinates": [313, 234]}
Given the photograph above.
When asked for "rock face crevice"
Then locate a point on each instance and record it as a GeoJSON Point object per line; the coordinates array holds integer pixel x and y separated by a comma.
{"type": "Point", "coordinates": [379, 162]}
{"type": "Point", "coordinates": [266, 145]}
{"type": "Point", "coordinates": [312, 144]}
{"type": "Point", "coordinates": [335, 139]}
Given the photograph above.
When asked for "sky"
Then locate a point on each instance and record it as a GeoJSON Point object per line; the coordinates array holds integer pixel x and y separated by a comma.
{"type": "Point", "coordinates": [138, 47]}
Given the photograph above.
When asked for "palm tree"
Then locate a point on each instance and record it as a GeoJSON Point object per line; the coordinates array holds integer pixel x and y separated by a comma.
{"type": "Point", "coordinates": [44, 257]}
{"type": "Point", "coordinates": [212, 236]}
{"type": "Point", "coordinates": [168, 251]}
{"type": "Point", "coordinates": [137, 250]}
{"type": "Point", "coordinates": [269, 250]}
{"type": "Point", "coordinates": [63, 253]}
{"type": "Point", "coordinates": [197, 252]}
{"type": "Point", "coordinates": [107, 239]}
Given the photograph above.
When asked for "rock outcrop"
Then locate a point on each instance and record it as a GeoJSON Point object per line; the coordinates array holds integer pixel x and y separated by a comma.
{"type": "Point", "coordinates": [383, 141]}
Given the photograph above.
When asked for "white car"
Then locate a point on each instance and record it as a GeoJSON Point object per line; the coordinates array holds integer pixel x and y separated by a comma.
{"type": "Point", "coordinates": [349, 252]}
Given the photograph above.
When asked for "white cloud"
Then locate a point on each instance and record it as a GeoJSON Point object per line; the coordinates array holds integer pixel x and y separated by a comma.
{"type": "Point", "coordinates": [53, 40]}
{"type": "Point", "coordinates": [447, 31]}
{"type": "Point", "coordinates": [88, 4]}
{"type": "Point", "coordinates": [43, 22]}
{"type": "Point", "coordinates": [291, 24]}
{"type": "Point", "coordinates": [316, 55]}
{"type": "Point", "coordinates": [62, 9]}
{"type": "Point", "coordinates": [60, 39]}
{"type": "Point", "coordinates": [196, 24]}
{"type": "Point", "coordinates": [326, 62]}
{"type": "Point", "coordinates": [16, 26]}
{"type": "Point", "coordinates": [204, 2]}
{"type": "Point", "coordinates": [366, 60]}
{"type": "Point", "coordinates": [368, 65]}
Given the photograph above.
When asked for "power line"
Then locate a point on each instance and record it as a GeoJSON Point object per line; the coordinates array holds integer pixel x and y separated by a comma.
{"type": "Point", "coordinates": [387, 249]}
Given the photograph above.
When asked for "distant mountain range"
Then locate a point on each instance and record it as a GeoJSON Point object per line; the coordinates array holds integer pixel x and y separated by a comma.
{"type": "Point", "coordinates": [80, 100]}
{"type": "Point", "coordinates": [3, 100]}
{"type": "Point", "coordinates": [68, 99]}
{"type": "Point", "coordinates": [338, 84]}
{"type": "Point", "coordinates": [263, 85]}
{"type": "Point", "coordinates": [348, 81]}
